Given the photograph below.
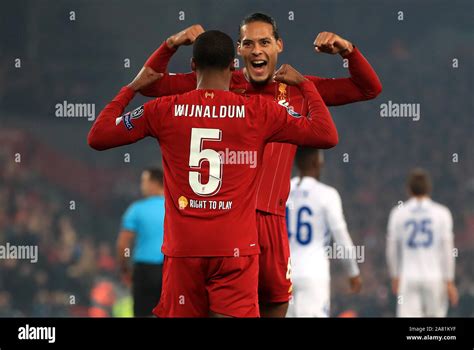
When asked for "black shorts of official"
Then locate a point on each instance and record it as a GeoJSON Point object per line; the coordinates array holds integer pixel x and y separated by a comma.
{"type": "Point", "coordinates": [146, 288]}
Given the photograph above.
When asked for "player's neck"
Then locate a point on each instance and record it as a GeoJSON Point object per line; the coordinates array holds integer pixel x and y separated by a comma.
{"type": "Point", "coordinates": [308, 173]}
{"type": "Point", "coordinates": [154, 193]}
{"type": "Point", "coordinates": [213, 80]}
{"type": "Point", "coordinates": [422, 197]}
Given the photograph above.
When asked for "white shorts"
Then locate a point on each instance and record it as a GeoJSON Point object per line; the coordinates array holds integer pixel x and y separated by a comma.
{"type": "Point", "coordinates": [422, 299]}
{"type": "Point", "coordinates": [311, 298]}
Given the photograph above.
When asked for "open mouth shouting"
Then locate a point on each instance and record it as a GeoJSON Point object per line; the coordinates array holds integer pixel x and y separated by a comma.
{"type": "Point", "coordinates": [259, 68]}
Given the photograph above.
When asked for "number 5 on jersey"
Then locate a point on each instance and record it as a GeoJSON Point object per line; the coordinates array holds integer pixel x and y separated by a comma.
{"type": "Point", "coordinates": [198, 154]}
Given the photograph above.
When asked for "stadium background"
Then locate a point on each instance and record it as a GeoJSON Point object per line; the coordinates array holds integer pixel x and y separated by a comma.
{"type": "Point", "coordinates": [82, 61]}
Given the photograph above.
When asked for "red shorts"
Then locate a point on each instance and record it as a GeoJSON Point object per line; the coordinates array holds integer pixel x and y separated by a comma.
{"type": "Point", "coordinates": [274, 280]}
{"type": "Point", "coordinates": [192, 287]}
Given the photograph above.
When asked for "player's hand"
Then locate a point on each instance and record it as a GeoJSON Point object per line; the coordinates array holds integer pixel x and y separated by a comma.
{"type": "Point", "coordinates": [185, 37]}
{"type": "Point", "coordinates": [453, 294]}
{"type": "Point", "coordinates": [145, 77]}
{"type": "Point", "coordinates": [332, 43]}
{"type": "Point", "coordinates": [288, 75]}
{"type": "Point", "coordinates": [355, 283]}
{"type": "Point", "coordinates": [395, 282]}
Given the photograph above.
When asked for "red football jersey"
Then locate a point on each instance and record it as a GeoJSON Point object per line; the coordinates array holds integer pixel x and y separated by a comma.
{"type": "Point", "coordinates": [274, 176]}
{"type": "Point", "coordinates": [212, 144]}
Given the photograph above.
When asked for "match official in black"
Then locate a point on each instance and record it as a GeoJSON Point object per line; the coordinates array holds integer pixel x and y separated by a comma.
{"type": "Point", "coordinates": [142, 230]}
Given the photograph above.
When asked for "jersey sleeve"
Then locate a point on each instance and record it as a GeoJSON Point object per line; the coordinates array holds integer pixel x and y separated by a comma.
{"type": "Point", "coordinates": [363, 83]}
{"type": "Point", "coordinates": [393, 245]}
{"type": "Point", "coordinates": [130, 220]}
{"type": "Point", "coordinates": [334, 213]}
{"type": "Point", "coordinates": [338, 227]}
{"type": "Point", "coordinates": [447, 246]}
{"type": "Point", "coordinates": [282, 124]}
{"type": "Point", "coordinates": [170, 84]}
{"type": "Point", "coordinates": [158, 60]}
{"type": "Point", "coordinates": [113, 129]}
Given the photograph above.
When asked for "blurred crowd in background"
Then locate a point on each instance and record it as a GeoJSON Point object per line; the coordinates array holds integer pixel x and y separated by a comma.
{"type": "Point", "coordinates": [76, 273]}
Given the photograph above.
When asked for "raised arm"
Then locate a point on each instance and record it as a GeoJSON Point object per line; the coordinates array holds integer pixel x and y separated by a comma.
{"type": "Point", "coordinates": [285, 125]}
{"type": "Point", "coordinates": [112, 129]}
{"type": "Point", "coordinates": [171, 84]}
{"type": "Point", "coordinates": [363, 83]}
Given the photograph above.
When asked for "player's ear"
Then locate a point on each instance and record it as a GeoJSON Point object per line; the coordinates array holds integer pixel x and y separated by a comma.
{"type": "Point", "coordinates": [232, 65]}
{"type": "Point", "coordinates": [279, 43]}
{"type": "Point", "coordinates": [193, 64]}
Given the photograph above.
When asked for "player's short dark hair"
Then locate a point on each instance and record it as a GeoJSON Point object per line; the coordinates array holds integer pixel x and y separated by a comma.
{"type": "Point", "coordinates": [260, 17]}
{"type": "Point", "coordinates": [156, 174]}
{"type": "Point", "coordinates": [213, 49]}
{"type": "Point", "coordinates": [304, 155]}
{"type": "Point", "coordinates": [419, 182]}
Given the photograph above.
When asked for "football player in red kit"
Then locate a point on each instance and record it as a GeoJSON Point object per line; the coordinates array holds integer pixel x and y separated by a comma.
{"type": "Point", "coordinates": [259, 45]}
{"type": "Point", "coordinates": [210, 242]}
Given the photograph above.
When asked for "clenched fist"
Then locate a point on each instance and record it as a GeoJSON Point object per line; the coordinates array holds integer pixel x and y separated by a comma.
{"type": "Point", "coordinates": [332, 43]}
{"type": "Point", "coordinates": [185, 37]}
{"type": "Point", "coordinates": [288, 75]}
